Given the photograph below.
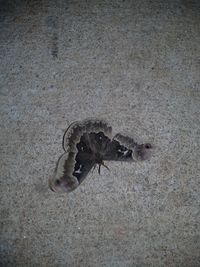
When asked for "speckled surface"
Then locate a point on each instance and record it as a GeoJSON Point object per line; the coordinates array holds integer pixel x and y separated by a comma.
{"type": "Point", "coordinates": [135, 63]}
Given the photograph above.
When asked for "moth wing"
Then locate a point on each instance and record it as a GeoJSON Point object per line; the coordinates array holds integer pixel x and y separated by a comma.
{"type": "Point", "coordinates": [124, 148]}
{"type": "Point", "coordinates": [84, 159]}
{"type": "Point", "coordinates": [71, 169]}
{"type": "Point", "coordinates": [120, 148]}
{"type": "Point", "coordinates": [74, 132]}
{"type": "Point", "coordinates": [63, 179]}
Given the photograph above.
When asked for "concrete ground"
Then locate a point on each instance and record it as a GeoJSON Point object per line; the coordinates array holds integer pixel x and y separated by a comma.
{"type": "Point", "coordinates": [134, 63]}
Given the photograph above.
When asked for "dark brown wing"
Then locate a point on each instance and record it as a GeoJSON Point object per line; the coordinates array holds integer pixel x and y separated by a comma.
{"type": "Point", "coordinates": [119, 150]}
{"type": "Point", "coordinates": [84, 159]}
{"type": "Point", "coordinates": [82, 141]}
{"type": "Point", "coordinates": [70, 171]}
{"type": "Point", "coordinates": [124, 148]}
{"type": "Point", "coordinates": [74, 132]}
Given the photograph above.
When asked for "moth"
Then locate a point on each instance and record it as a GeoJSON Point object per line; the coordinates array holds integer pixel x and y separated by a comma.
{"type": "Point", "coordinates": [89, 143]}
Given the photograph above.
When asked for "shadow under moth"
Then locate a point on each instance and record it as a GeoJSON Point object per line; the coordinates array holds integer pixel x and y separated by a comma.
{"type": "Point", "coordinates": [89, 143]}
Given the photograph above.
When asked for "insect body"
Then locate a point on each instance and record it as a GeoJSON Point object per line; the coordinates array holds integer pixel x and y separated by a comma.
{"type": "Point", "coordinates": [89, 143]}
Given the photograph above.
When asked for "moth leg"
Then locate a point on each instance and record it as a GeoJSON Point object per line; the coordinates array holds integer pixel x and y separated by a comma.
{"type": "Point", "coordinates": [105, 166]}
{"type": "Point", "coordinates": [94, 168]}
{"type": "Point", "coordinates": [102, 164]}
{"type": "Point", "coordinates": [99, 169]}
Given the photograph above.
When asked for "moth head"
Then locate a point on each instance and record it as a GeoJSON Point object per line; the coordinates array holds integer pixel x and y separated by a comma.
{"type": "Point", "coordinates": [62, 181]}
{"type": "Point", "coordinates": [143, 151]}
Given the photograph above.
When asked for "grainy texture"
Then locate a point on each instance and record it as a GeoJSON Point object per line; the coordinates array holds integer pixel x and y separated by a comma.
{"type": "Point", "coordinates": [135, 63]}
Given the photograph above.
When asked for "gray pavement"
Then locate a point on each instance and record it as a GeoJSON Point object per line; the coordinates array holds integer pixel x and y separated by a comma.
{"type": "Point", "coordinates": [134, 63]}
